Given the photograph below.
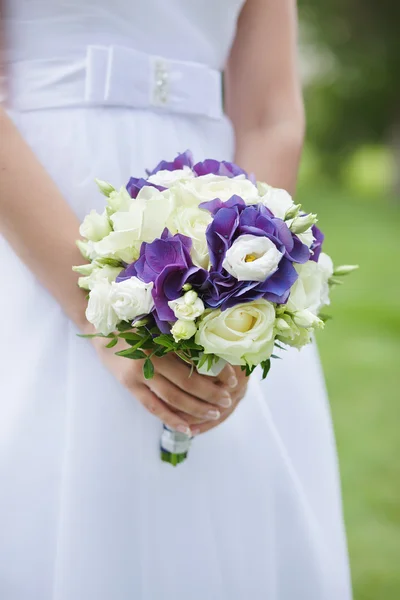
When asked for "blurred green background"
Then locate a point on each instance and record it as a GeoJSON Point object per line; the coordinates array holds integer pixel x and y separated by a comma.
{"type": "Point", "coordinates": [350, 175]}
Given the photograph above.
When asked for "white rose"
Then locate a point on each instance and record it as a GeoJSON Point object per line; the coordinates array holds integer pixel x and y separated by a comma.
{"type": "Point", "coordinates": [241, 334]}
{"type": "Point", "coordinates": [87, 282]}
{"type": "Point", "coordinates": [193, 222]}
{"type": "Point", "coordinates": [187, 308]}
{"type": "Point", "coordinates": [95, 226]}
{"type": "Point", "coordinates": [278, 201]}
{"type": "Point", "coordinates": [183, 330]}
{"type": "Point", "coordinates": [131, 298]}
{"type": "Point", "coordinates": [311, 290]}
{"type": "Point", "coordinates": [99, 310]}
{"type": "Point", "coordinates": [119, 201]}
{"type": "Point", "coordinates": [209, 187]}
{"type": "Point", "coordinates": [252, 258]}
{"type": "Point", "coordinates": [168, 178]}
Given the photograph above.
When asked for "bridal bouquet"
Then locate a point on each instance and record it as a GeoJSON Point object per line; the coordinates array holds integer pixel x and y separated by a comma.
{"type": "Point", "coordinates": [203, 261]}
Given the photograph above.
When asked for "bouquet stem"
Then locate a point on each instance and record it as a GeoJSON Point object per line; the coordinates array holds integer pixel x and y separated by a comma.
{"type": "Point", "coordinates": [174, 446]}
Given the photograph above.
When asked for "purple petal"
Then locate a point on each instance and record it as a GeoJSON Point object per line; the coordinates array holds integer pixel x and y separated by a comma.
{"type": "Point", "coordinates": [182, 160]}
{"type": "Point", "coordinates": [134, 186]}
{"type": "Point", "coordinates": [316, 248]}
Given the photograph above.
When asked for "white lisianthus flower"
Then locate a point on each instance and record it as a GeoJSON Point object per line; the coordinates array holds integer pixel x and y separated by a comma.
{"type": "Point", "coordinates": [183, 330]}
{"type": "Point", "coordinates": [209, 187]}
{"type": "Point", "coordinates": [311, 290]}
{"type": "Point", "coordinates": [119, 201]}
{"type": "Point", "coordinates": [108, 273]}
{"type": "Point", "coordinates": [277, 200]}
{"type": "Point", "coordinates": [241, 334]}
{"type": "Point", "coordinates": [87, 249]}
{"type": "Point", "coordinates": [187, 308]}
{"type": "Point", "coordinates": [147, 215]}
{"type": "Point", "coordinates": [292, 334]}
{"type": "Point", "coordinates": [143, 222]}
{"type": "Point", "coordinates": [131, 298]}
{"type": "Point", "coordinates": [99, 310]}
{"type": "Point", "coordinates": [326, 267]}
{"type": "Point", "coordinates": [307, 237]}
{"type": "Point", "coordinates": [167, 178]}
{"type": "Point", "coordinates": [193, 222]}
{"type": "Point", "coordinates": [252, 258]}
{"type": "Point", "coordinates": [95, 226]}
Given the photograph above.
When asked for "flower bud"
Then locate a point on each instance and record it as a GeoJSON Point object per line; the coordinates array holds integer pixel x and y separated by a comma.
{"type": "Point", "coordinates": [293, 212]}
{"type": "Point", "coordinates": [104, 187]}
{"type": "Point", "coordinates": [344, 270]}
{"type": "Point", "coordinates": [303, 223]}
{"type": "Point", "coordinates": [183, 330]}
{"type": "Point", "coordinates": [282, 325]}
{"type": "Point", "coordinates": [305, 318]}
{"type": "Point", "coordinates": [190, 297]}
{"type": "Point", "coordinates": [186, 287]}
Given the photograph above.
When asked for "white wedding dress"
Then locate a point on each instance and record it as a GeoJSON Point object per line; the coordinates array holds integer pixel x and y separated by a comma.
{"type": "Point", "coordinates": [87, 509]}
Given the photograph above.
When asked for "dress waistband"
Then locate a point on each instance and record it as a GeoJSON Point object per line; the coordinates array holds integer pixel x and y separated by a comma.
{"type": "Point", "coordinates": [117, 76]}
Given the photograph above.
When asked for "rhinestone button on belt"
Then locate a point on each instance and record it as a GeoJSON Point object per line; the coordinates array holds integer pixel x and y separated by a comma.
{"type": "Point", "coordinates": [161, 83]}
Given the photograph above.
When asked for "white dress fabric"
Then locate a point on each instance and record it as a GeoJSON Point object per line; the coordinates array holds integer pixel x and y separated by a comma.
{"type": "Point", "coordinates": [87, 509]}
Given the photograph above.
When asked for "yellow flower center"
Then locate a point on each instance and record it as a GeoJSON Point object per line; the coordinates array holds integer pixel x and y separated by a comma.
{"type": "Point", "coordinates": [250, 258]}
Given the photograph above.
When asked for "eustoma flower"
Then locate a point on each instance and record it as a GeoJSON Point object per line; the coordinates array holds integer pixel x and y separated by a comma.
{"type": "Point", "coordinates": [167, 263]}
{"type": "Point", "coordinates": [234, 219]}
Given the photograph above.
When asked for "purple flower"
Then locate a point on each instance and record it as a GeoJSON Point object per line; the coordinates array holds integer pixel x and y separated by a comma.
{"type": "Point", "coordinates": [224, 291]}
{"type": "Point", "coordinates": [135, 184]}
{"type": "Point", "coordinates": [316, 247]}
{"type": "Point", "coordinates": [166, 262]}
{"type": "Point", "coordinates": [182, 160]}
{"type": "Point", "coordinates": [216, 167]}
{"type": "Point", "coordinates": [233, 219]}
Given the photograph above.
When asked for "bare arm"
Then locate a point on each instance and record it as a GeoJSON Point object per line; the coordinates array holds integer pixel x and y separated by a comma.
{"type": "Point", "coordinates": [263, 93]}
{"type": "Point", "coordinates": [38, 223]}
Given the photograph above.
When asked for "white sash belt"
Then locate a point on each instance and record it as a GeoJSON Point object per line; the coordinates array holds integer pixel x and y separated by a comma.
{"type": "Point", "coordinates": [117, 76]}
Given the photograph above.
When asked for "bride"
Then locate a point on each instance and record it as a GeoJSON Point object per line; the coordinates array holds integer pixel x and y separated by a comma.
{"type": "Point", "coordinates": [87, 509]}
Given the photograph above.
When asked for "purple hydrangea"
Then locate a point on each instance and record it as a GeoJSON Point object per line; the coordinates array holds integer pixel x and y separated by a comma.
{"type": "Point", "coordinates": [233, 219]}
{"type": "Point", "coordinates": [216, 167]}
{"type": "Point", "coordinates": [167, 263]}
{"type": "Point", "coordinates": [135, 184]}
{"type": "Point", "coordinates": [182, 160]}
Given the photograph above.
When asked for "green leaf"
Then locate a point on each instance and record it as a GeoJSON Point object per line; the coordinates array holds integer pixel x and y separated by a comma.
{"type": "Point", "coordinates": [266, 365]}
{"type": "Point", "coordinates": [324, 317]}
{"type": "Point", "coordinates": [93, 335]}
{"type": "Point", "coordinates": [131, 335]}
{"type": "Point", "coordinates": [165, 340]}
{"type": "Point", "coordinates": [132, 353]}
{"type": "Point", "coordinates": [202, 361]}
{"type": "Point", "coordinates": [113, 343]}
{"type": "Point", "coordinates": [276, 356]}
{"type": "Point", "coordinates": [148, 369]}
{"type": "Point", "coordinates": [278, 345]}
{"type": "Point", "coordinates": [190, 345]}
{"type": "Point", "coordinates": [124, 326]}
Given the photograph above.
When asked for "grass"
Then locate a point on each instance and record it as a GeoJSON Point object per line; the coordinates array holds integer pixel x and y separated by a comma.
{"type": "Point", "coordinates": [360, 350]}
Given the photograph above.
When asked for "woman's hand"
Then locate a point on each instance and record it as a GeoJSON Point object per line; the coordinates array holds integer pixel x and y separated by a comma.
{"type": "Point", "coordinates": [237, 392]}
{"type": "Point", "coordinates": [183, 401]}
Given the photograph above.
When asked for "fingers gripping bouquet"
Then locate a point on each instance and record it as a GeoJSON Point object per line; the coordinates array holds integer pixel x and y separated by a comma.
{"type": "Point", "coordinates": [203, 261]}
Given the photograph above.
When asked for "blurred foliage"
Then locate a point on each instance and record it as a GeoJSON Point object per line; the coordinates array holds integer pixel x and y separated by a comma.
{"type": "Point", "coordinates": [354, 95]}
{"type": "Point", "coordinates": [360, 349]}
